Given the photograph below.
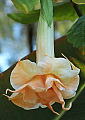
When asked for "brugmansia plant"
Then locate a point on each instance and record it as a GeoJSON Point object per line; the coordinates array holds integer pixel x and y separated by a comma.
{"type": "Point", "coordinates": [48, 79]}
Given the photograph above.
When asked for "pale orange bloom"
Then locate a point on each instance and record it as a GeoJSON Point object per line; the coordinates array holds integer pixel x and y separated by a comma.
{"type": "Point", "coordinates": [41, 85]}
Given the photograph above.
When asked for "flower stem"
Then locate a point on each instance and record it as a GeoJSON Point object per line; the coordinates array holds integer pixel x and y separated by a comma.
{"type": "Point", "coordinates": [45, 40]}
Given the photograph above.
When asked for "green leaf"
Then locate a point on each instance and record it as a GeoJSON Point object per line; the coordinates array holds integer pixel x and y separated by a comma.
{"type": "Point", "coordinates": [9, 111]}
{"type": "Point", "coordinates": [47, 11]}
{"type": "Point", "coordinates": [25, 18]}
{"type": "Point", "coordinates": [79, 1]}
{"type": "Point", "coordinates": [63, 11]}
{"type": "Point", "coordinates": [76, 34]}
{"type": "Point", "coordinates": [20, 6]}
{"type": "Point", "coordinates": [25, 5]}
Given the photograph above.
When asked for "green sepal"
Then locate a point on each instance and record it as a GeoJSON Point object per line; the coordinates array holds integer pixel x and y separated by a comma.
{"type": "Point", "coordinates": [47, 11]}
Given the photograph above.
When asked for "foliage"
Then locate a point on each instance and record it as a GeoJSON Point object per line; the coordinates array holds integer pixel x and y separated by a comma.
{"type": "Point", "coordinates": [25, 18]}
{"type": "Point", "coordinates": [76, 34]}
{"type": "Point", "coordinates": [79, 1]}
{"type": "Point", "coordinates": [25, 5]}
{"type": "Point", "coordinates": [4, 29]}
{"type": "Point", "coordinates": [61, 12]}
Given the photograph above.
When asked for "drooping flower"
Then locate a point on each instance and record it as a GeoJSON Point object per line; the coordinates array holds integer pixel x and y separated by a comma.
{"type": "Point", "coordinates": [50, 80]}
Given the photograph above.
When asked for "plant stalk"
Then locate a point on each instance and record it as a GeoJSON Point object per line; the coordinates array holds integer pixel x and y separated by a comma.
{"type": "Point", "coordinates": [45, 40]}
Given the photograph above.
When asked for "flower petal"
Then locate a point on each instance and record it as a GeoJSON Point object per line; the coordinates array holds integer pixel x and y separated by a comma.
{"type": "Point", "coordinates": [58, 93]}
{"type": "Point", "coordinates": [49, 96]}
{"type": "Point", "coordinates": [50, 80]}
{"type": "Point", "coordinates": [29, 95]}
{"type": "Point", "coordinates": [47, 99]}
{"type": "Point", "coordinates": [70, 91]}
{"type": "Point", "coordinates": [17, 99]}
{"type": "Point", "coordinates": [63, 104]}
{"type": "Point", "coordinates": [44, 106]}
{"type": "Point", "coordinates": [73, 66]}
{"type": "Point", "coordinates": [45, 66]}
{"type": "Point", "coordinates": [50, 107]}
{"type": "Point", "coordinates": [37, 83]}
{"type": "Point", "coordinates": [22, 73]}
{"type": "Point", "coordinates": [62, 69]}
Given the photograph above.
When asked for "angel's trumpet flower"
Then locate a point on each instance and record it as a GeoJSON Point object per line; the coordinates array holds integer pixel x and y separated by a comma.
{"type": "Point", "coordinates": [47, 81]}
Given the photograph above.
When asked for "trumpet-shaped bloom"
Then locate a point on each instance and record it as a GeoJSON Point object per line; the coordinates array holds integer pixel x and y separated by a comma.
{"type": "Point", "coordinates": [50, 80]}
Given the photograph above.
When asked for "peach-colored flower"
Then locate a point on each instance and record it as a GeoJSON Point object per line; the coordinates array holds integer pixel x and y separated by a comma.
{"type": "Point", "coordinates": [50, 80]}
